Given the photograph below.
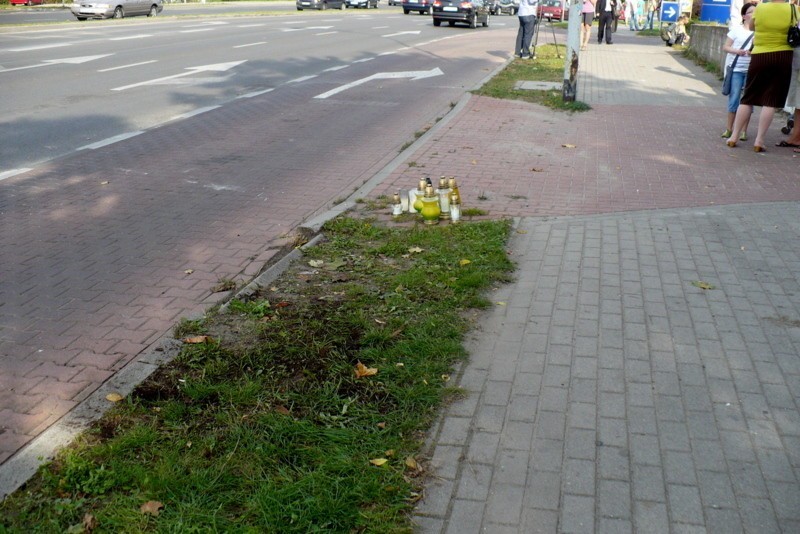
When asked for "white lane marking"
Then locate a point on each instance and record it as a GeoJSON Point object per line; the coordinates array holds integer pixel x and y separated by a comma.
{"type": "Point", "coordinates": [250, 44]}
{"type": "Point", "coordinates": [192, 113]}
{"type": "Point", "coordinates": [127, 66]}
{"type": "Point", "coordinates": [402, 33]}
{"type": "Point", "coordinates": [379, 27]}
{"type": "Point", "coordinates": [140, 36]}
{"type": "Point", "coordinates": [111, 140]}
{"type": "Point", "coordinates": [333, 69]}
{"type": "Point", "coordinates": [256, 93]}
{"type": "Point", "coordinates": [390, 52]}
{"type": "Point", "coordinates": [302, 79]}
{"type": "Point", "coordinates": [13, 172]}
{"type": "Point", "coordinates": [325, 33]}
{"type": "Point", "coordinates": [198, 30]}
{"type": "Point", "coordinates": [414, 75]}
{"type": "Point", "coordinates": [204, 24]}
{"type": "Point", "coordinates": [250, 25]}
{"type": "Point", "coordinates": [363, 60]}
{"type": "Point", "coordinates": [69, 60]}
{"type": "Point", "coordinates": [218, 67]}
{"type": "Point", "coordinates": [38, 47]}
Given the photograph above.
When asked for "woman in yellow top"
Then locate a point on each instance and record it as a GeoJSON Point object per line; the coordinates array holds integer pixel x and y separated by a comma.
{"type": "Point", "coordinates": [770, 69]}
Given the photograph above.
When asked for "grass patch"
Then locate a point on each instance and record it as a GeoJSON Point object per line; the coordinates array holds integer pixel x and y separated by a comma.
{"type": "Point", "coordinates": [547, 67]}
{"type": "Point", "coordinates": [265, 427]}
{"type": "Point", "coordinates": [709, 66]}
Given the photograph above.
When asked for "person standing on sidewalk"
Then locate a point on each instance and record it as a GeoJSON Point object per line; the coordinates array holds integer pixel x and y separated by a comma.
{"type": "Point", "coordinates": [652, 7]}
{"type": "Point", "coordinates": [770, 71]}
{"type": "Point", "coordinates": [527, 23]}
{"type": "Point", "coordinates": [605, 10]}
{"type": "Point", "coordinates": [587, 16]}
{"type": "Point", "coordinates": [633, 15]}
{"type": "Point", "coordinates": [738, 46]}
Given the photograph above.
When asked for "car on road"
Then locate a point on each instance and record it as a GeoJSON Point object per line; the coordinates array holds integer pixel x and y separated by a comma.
{"type": "Point", "coordinates": [472, 12]}
{"type": "Point", "coordinates": [117, 9]}
{"type": "Point", "coordinates": [320, 4]}
{"type": "Point", "coordinates": [508, 7]}
{"type": "Point", "coordinates": [395, 2]}
{"type": "Point", "coordinates": [26, 2]}
{"type": "Point", "coordinates": [423, 7]}
{"type": "Point", "coordinates": [553, 10]}
{"type": "Point", "coordinates": [362, 3]}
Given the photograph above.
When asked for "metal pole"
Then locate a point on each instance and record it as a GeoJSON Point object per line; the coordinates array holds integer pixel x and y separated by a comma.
{"type": "Point", "coordinates": [570, 88]}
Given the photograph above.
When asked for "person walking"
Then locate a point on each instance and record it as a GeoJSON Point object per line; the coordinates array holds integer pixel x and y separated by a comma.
{"type": "Point", "coordinates": [527, 23]}
{"type": "Point", "coordinates": [587, 16]}
{"type": "Point", "coordinates": [632, 14]}
{"type": "Point", "coordinates": [770, 70]}
{"type": "Point", "coordinates": [652, 7]}
{"type": "Point", "coordinates": [605, 10]}
{"type": "Point", "coordinates": [738, 48]}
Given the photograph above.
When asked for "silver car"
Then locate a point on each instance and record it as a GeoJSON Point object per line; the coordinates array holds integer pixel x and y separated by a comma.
{"type": "Point", "coordinates": [104, 9]}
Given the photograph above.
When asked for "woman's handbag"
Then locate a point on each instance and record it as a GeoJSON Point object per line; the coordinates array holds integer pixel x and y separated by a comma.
{"type": "Point", "coordinates": [726, 82]}
{"type": "Point", "coordinates": [793, 37]}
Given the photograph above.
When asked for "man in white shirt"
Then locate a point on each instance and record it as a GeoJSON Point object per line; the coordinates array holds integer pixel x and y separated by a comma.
{"type": "Point", "coordinates": [527, 23]}
{"type": "Point", "coordinates": [605, 10]}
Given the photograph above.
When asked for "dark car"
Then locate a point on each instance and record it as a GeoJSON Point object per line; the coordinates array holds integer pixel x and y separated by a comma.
{"type": "Point", "coordinates": [423, 7]}
{"type": "Point", "coordinates": [553, 10]}
{"type": "Point", "coordinates": [320, 4]}
{"type": "Point", "coordinates": [508, 7]}
{"type": "Point", "coordinates": [469, 12]}
{"type": "Point", "coordinates": [494, 7]}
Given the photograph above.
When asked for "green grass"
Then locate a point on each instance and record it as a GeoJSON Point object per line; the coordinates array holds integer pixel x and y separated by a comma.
{"type": "Point", "coordinates": [547, 67]}
{"type": "Point", "coordinates": [265, 427]}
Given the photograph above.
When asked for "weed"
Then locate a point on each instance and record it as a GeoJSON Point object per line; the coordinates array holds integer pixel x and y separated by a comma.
{"type": "Point", "coordinates": [412, 164]}
{"type": "Point", "coordinates": [473, 212]}
{"type": "Point", "coordinates": [188, 326]}
{"type": "Point", "coordinates": [517, 197]}
{"type": "Point", "coordinates": [483, 196]}
{"type": "Point", "coordinates": [224, 284]}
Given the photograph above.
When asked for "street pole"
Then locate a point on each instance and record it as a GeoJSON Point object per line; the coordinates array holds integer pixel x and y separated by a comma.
{"type": "Point", "coordinates": [570, 88]}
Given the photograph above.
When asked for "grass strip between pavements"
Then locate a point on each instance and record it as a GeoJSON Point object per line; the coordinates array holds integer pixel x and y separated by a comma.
{"type": "Point", "coordinates": [547, 67]}
{"type": "Point", "coordinates": [263, 424]}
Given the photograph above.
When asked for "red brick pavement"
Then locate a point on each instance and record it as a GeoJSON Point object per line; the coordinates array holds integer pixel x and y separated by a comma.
{"type": "Point", "coordinates": [510, 159]}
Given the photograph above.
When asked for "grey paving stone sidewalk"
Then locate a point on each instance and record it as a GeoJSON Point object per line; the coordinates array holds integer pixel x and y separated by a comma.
{"type": "Point", "coordinates": [607, 393]}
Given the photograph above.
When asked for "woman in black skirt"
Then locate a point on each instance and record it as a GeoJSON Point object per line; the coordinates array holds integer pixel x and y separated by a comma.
{"type": "Point", "coordinates": [770, 69]}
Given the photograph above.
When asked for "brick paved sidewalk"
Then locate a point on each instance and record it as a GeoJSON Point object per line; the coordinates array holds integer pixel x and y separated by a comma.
{"type": "Point", "coordinates": [607, 392]}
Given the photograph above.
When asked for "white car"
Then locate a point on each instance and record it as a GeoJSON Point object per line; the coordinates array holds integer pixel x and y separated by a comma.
{"type": "Point", "coordinates": [363, 3]}
{"type": "Point", "coordinates": [105, 9]}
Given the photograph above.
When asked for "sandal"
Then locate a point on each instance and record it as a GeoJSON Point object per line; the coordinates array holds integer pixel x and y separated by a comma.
{"type": "Point", "coordinates": [743, 137]}
{"type": "Point", "coordinates": [726, 134]}
{"type": "Point", "coordinates": [759, 148]}
{"type": "Point", "coordinates": [784, 144]}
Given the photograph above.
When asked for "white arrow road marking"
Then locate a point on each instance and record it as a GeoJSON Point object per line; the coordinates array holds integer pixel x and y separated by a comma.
{"type": "Point", "coordinates": [218, 67]}
{"type": "Point", "coordinates": [401, 33]}
{"type": "Point", "coordinates": [127, 66]}
{"type": "Point", "coordinates": [69, 60]}
{"type": "Point", "coordinates": [414, 75]}
{"type": "Point", "coordinates": [140, 36]}
{"type": "Point", "coordinates": [38, 47]}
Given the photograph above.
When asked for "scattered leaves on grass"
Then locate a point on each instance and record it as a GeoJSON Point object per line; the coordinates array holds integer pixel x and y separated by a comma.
{"type": "Point", "coordinates": [283, 410]}
{"type": "Point", "coordinates": [194, 340]}
{"type": "Point", "coordinates": [378, 461]}
{"type": "Point", "coordinates": [89, 523]}
{"type": "Point", "coordinates": [446, 378]}
{"type": "Point", "coordinates": [464, 262]}
{"type": "Point", "coordinates": [702, 285]}
{"type": "Point", "coordinates": [151, 508]}
{"type": "Point", "coordinates": [316, 263]}
{"type": "Point", "coordinates": [362, 370]}
{"type": "Point", "coordinates": [412, 464]}
{"type": "Point", "coordinates": [389, 453]}
{"type": "Point", "coordinates": [382, 425]}
{"type": "Point", "coordinates": [415, 250]}
{"type": "Point", "coordinates": [114, 397]}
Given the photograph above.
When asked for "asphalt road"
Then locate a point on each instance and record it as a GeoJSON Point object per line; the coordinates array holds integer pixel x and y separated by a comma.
{"type": "Point", "coordinates": [77, 87]}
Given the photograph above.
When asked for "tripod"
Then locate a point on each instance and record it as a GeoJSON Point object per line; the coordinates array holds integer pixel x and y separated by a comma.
{"type": "Point", "coordinates": [536, 37]}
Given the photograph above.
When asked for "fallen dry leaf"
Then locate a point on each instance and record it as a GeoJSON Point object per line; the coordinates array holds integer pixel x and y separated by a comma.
{"type": "Point", "coordinates": [283, 304]}
{"type": "Point", "coordinates": [90, 523]}
{"type": "Point", "coordinates": [188, 271]}
{"type": "Point", "coordinates": [703, 285]}
{"type": "Point", "coordinates": [316, 263]}
{"type": "Point", "coordinates": [567, 145]}
{"type": "Point", "coordinates": [411, 463]}
{"type": "Point", "coordinates": [500, 303]}
{"type": "Point", "coordinates": [151, 508]}
{"type": "Point", "coordinates": [389, 453]}
{"type": "Point", "coordinates": [382, 425]}
{"type": "Point", "coordinates": [283, 410]}
{"type": "Point", "coordinates": [193, 340]}
{"type": "Point", "coordinates": [474, 161]}
{"type": "Point", "coordinates": [446, 378]}
{"type": "Point", "coordinates": [399, 364]}
{"type": "Point", "coordinates": [103, 183]}
{"type": "Point", "coordinates": [362, 370]}
{"type": "Point", "coordinates": [415, 250]}
{"type": "Point", "coordinates": [464, 262]}
{"type": "Point", "coordinates": [522, 231]}
{"type": "Point", "coordinates": [378, 461]}
{"type": "Point", "coordinates": [114, 397]}
{"type": "Point", "coordinates": [534, 169]}
{"type": "Point", "coordinates": [379, 321]}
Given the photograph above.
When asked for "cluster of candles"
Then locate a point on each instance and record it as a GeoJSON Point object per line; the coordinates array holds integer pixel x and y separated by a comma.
{"type": "Point", "coordinates": [443, 203]}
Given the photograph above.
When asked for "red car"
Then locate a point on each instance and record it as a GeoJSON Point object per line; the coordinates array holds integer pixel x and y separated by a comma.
{"type": "Point", "coordinates": [553, 10]}
{"type": "Point", "coordinates": [26, 2]}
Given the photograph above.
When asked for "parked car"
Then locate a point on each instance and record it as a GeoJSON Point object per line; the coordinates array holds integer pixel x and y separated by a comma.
{"type": "Point", "coordinates": [362, 3]}
{"type": "Point", "coordinates": [470, 12]}
{"type": "Point", "coordinates": [26, 2]}
{"type": "Point", "coordinates": [320, 4]}
{"type": "Point", "coordinates": [105, 9]}
{"type": "Point", "coordinates": [553, 10]}
{"type": "Point", "coordinates": [423, 7]}
{"type": "Point", "coordinates": [395, 2]}
{"type": "Point", "coordinates": [509, 7]}
{"type": "Point", "coordinates": [494, 6]}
